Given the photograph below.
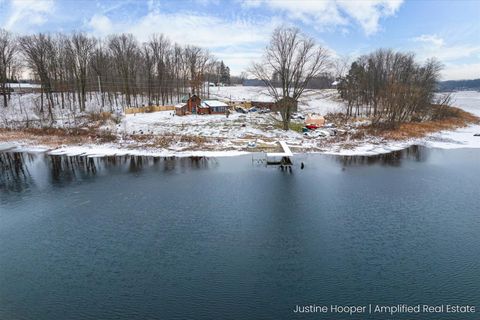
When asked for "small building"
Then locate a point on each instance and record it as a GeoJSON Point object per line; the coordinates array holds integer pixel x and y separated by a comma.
{"type": "Point", "coordinates": [22, 88]}
{"type": "Point", "coordinates": [264, 105]}
{"type": "Point", "coordinates": [235, 104]}
{"type": "Point", "coordinates": [203, 109]}
{"type": "Point", "coordinates": [181, 109]}
{"type": "Point", "coordinates": [192, 103]}
{"type": "Point", "coordinates": [212, 107]}
{"type": "Point", "coordinates": [253, 83]}
{"type": "Point", "coordinates": [276, 106]}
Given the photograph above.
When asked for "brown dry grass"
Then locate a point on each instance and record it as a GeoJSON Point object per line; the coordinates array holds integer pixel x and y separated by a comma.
{"type": "Point", "coordinates": [458, 119]}
{"type": "Point", "coordinates": [165, 141]}
{"type": "Point", "coordinates": [101, 116]}
{"type": "Point", "coordinates": [55, 137]}
{"type": "Point", "coordinates": [340, 119]}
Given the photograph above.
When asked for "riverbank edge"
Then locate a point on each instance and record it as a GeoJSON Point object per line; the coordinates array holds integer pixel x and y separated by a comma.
{"type": "Point", "coordinates": [91, 142]}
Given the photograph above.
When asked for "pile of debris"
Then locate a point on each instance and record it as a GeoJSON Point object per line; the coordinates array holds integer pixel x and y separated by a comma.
{"type": "Point", "coordinates": [315, 127]}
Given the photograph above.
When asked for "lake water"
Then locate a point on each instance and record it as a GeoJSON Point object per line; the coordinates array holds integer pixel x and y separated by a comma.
{"type": "Point", "coordinates": [225, 238]}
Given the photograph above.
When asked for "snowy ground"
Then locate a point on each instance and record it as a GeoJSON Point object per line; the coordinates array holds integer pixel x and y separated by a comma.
{"type": "Point", "coordinates": [230, 136]}
{"type": "Point", "coordinates": [211, 126]}
{"type": "Point", "coordinates": [461, 138]}
{"type": "Point", "coordinates": [238, 129]}
{"type": "Point", "coordinates": [318, 101]}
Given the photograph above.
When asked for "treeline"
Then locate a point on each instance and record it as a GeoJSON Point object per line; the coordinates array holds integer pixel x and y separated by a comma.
{"type": "Point", "coordinates": [455, 85]}
{"type": "Point", "coordinates": [123, 71]}
{"type": "Point", "coordinates": [391, 87]}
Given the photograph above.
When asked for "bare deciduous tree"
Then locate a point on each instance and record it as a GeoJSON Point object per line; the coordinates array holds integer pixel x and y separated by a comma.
{"type": "Point", "coordinates": [196, 59]}
{"type": "Point", "coordinates": [85, 74]}
{"type": "Point", "coordinates": [390, 87]}
{"type": "Point", "coordinates": [8, 49]}
{"type": "Point", "coordinates": [341, 66]}
{"type": "Point", "coordinates": [125, 50]}
{"type": "Point", "coordinates": [81, 48]}
{"type": "Point", "coordinates": [40, 53]}
{"type": "Point", "coordinates": [290, 62]}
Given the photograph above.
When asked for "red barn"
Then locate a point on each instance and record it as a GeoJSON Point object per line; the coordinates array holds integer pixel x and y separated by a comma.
{"type": "Point", "coordinates": [188, 105]}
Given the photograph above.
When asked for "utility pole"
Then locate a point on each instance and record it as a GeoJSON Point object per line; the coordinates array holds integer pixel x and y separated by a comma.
{"type": "Point", "coordinates": [100, 91]}
{"type": "Point", "coordinates": [19, 92]}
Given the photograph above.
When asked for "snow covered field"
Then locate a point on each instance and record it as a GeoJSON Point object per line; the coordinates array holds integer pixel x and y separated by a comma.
{"type": "Point", "coordinates": [230, 136]}
{"type": "Point", "coordinates": [318, 101]}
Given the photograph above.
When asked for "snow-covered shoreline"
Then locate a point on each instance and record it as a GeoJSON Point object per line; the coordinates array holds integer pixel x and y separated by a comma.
{"type": "Point", "coordinates": [229, 136]}
{"type": "Point", "coordinates": [95, 150]}
{"type": "Point", "coordinates": [442, 140]}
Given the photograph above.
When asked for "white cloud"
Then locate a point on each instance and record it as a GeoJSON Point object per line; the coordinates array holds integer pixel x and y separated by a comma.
{"type": "Point", "coordinates": [368, 13]}
{"type": "Point", "coordinates": [201, 30]}
{"type": "Point", "coordinates": [251, 3]}
{"type": "Point", "coordinates": [433, 46]}
{"type": "Point", "coordinates": [101, 24]}
{"type": "Point", "coordinates": [211, 32]}
{"type": "Point", "coordinates": [453, 56]}
{"type": "Point", "coordinates": [207, 2]}
{"type": "Point", "coordinates": [237, 42]}
{"type": "Point", "coordinates": [452, 53]}
{"type": "Point", "coordinates": [430, 39]}
{"type": "Point", "coordinates": [321, 14]}
{"type": "Point", "coordinates": [25, 14]}
{"type": "Point", "coordinates": [461, 71]}
{"type": "Point", "coordinates": [333, 13]}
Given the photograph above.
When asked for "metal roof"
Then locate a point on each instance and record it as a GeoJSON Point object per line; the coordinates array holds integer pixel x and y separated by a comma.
{"type": "Point", "coordinates": [214, 103]}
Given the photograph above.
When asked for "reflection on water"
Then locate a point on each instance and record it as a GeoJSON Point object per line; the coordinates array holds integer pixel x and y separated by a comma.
{"type": "Point", "coordinates": [136, 237]}
{"type": "Point", "coordinates": [395, 158]}
{"type": "Point", "coordinates": [70, 168]}
{"type": "Point", "coordinates": [16, 168]}
{"type": "Point", "coordinates": [14, 174]}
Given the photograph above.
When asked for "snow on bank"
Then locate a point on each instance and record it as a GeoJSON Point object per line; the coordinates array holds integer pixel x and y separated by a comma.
{"type": "Point", "coordinates": [455, 139]}
{"type": "Point", "coordinates": [463, 137]}
{"type": "Point", "coordinates": [102, 151]}
{"type": "Point", "coordinates": [94, 151]}
{"type": "Point", "coordinates": [236, 126]}
{"type": "Point", "coordinates": [371, 149]}
{"type": "Point", "coordinates": [234, 132]}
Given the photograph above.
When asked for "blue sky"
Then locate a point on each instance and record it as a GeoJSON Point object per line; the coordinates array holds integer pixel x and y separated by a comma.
{"type": "Point", "coordinates": [237, 31]}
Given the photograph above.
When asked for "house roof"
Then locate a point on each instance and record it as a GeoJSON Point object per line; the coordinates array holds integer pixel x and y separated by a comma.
{"type": "Point", "coordinates": [22, 85]}
{"type": "Point", "coordinates": [185, 98]}
{"type": "Point", "coordinates": [214, 103]}
{"type": "Point", "coordinates": [180, 105]}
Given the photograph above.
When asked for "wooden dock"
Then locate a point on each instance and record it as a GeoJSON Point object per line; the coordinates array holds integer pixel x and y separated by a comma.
{"type": "Point", "coordinates": [282, 158]}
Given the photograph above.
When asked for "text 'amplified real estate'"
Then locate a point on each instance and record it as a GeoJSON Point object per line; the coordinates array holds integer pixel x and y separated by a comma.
{"type": "Point", "coordinates": [385, 309]}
